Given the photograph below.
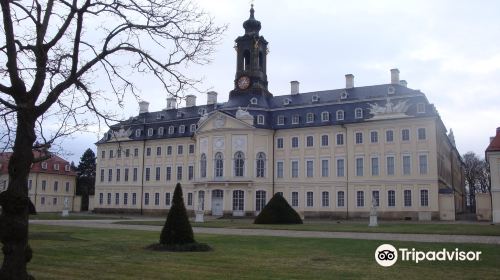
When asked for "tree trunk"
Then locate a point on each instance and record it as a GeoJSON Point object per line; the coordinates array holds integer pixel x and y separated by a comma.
{"type": "Point", "coordinates": [15, 202]}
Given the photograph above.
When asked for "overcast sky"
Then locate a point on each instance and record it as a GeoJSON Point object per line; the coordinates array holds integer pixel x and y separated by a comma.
{"type": "Point", "coordinates": [447, 49]}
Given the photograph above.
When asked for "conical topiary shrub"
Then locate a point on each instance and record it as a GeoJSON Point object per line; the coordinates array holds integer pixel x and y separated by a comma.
{"type": "Point", "coordinates": [177, 233]}
{"type": "Point", "coordinates": [278, 211]}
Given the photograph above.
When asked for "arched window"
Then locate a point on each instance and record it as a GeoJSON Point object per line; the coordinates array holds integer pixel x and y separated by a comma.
{"type": "Point", "coordinates": [239, 164]}
{"type": "Point", "coordinates": [260, 200]}
{"type": "Point", "coordinates": [203, 165]}
{"type": "Point", "coordinates": [219, 165]}
{"type": "Point", "coordinates": [246, 60]}
{"type": "Point", "coordinates": [340, 115]}
{"type": "Point", "coordinates": [358, 113]}
{"type": "Point", "coordinates": [261, 164]}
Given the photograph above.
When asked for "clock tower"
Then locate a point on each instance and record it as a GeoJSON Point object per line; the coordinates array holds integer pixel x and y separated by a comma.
{"type": "Point", "coordinates": [251, 51]}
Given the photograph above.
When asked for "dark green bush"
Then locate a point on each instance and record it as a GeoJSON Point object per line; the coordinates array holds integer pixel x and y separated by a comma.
{"type": "Point", "coordinates": [278, 211]}
{"type": "Point", "coordinates": [177, 229]}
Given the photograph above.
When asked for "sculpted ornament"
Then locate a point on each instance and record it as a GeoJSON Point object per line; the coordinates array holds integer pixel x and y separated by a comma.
{"type": "Point", "coordinates": [389, 110]}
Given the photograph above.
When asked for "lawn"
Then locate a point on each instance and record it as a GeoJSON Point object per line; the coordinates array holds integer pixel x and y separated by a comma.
{"type": "Point", "coordinates": [351, 226]}
{"type": "Point", "coordinates": [73, 216]}
{"type": "Point", "coordinates": [80, 253]}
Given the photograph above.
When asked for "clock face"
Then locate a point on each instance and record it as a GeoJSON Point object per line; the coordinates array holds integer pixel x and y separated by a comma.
{"type": "Point", "coordinates": [243, 82]}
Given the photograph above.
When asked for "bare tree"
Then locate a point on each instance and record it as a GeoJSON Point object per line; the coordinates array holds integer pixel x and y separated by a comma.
{"type": "Point", "coordinates": [476, 176]}
{"type": "Point", "coordinates": [51, 53]}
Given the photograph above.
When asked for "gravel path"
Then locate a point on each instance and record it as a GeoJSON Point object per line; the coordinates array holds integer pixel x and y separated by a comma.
{"type": "Point", "coordinates": [109, 224]}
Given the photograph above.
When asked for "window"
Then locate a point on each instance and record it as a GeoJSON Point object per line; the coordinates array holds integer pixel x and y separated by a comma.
{"type": "Point", "coordinates": [325, 199]}
{"type": "Point", "coordinates": [309, 168]}
{"type": "Point", "coordinates": [42, 200]}
{"type": "Point", "coordinates": [111, 154]}
{"type": "Point", "coordinates": [101, 198]}
{"type": "Point", "coordinates": [125, 198]}
{"type": "Point", "coordinates": [238, 200]}
{"type": "Point", "coordinates": [407, 198]}
{"type": "Point", "coordinates": [117, 198]}
{"type": "Point", "coordinates": [422, 163]}
{"type": "Point", "coordinates": [389, 136]}
{"type": "Point", "coordinates": [239, 164]}
{"type": "Point", "coordinates": [191, 149]}
{"type": "Point", "coordinates": [157, 173]}
{"type": "Point", "coordinates": [281, 120]}
{"type": "Point", "coordinates": [119, 153]}
{"type": "Point", "coordinates": [219, 165]}
{"type": "Point", "coordinates": [340, 115]}
{"type": "Point", "coordinates": [118, 175]}
{"type": "Point", "coordinates": [146, 199]}
{"type": "Point", "coordinates": [340, 199]}
{"type": "Point", "coordinates": [324, 140]}
{"type": "Point", "coordinates": [109, 199]}
{"type": "Point", "coordinates": [260, 200]}
{"type": "Point", "coordinates": [260, 119]}
{"type": "Point", "coordinates": [295, 199]}
{"type": "Point", "coordinates": [253, 101]}
{"type": "Point", "coordinates": [424, 198]}
{"type": "Point", "coordinates": [179, 173]}
{"type": "Point", "coordinates": [376, 198]}
{"type": "Point", "coordinates": [406, 165]}
{"type": "Point", "coordinates": [158, 151]}
{"type": "Point", "coordinates": [325, 168]}
{"type": "Point", "coordinates": [261, 165]}
{"type": "Point", "coordinates": [359, 167]}
{"type": "Point", "coordinates": [137, 133]}
{"type": "Point", "coordinates": [126, 174]}
{"type": "Point", "coordinates": [203, 166]}
{"type": "Point", "coordinates": [287, 101]}
{"type": "Point", "coordinates": [190, 199]}
{"type": "Point", "coordinates": [192, 127]}
{"type": "Point", "coordinates": [167, 199]}
{"type": "Point", "coordinates": [56, 186]}
{"type": "Point", "coordinates": [390, 165]}
{"type": "Point", "coordinates": [44, 185]}
{"type": "Point", "coordinates": [134, 198]}
{"type": "Point", "coordinates": [309, 141]}
{"type": "Point", "coordinates": [391, 198]}
{"type": "Point", "coordinates": [405, 134]}
{"type": "Point", "coordinates": [279, 143]}
{"type": "Point", "coordinates": [190, 172]}
{"type": "Point", "coordinates": [102, 175]}
{"type": "Point", "coordinates": [340, 139]}
{"type": "Point", "coordinates": [103, 155]}
{"type": "Point", "coordinates": [180, 150]}
{"type": "Point", "coordinates": [279, 169]}
{"type": "Point", "coordinates": [148, 151]}
{"type": "Point", "coordinates": [110, 175]}
{"type": "Point", "coordinates": [421, 134]}
{"type": "Point", "coordinates": [168, 173]}
{"type": "Point", "coordinates": [169, 150]}
{"type": "Point", "coordinates": [359, 137]}
{"type": "Point", "coordinates": [127, 152]}
{"type": "Point", "coordinates": [375, 168]}
{"type": "Point", "coordinates": [56, 166]}
{"type": "Point", "coordinates": [148, 173]}
{"type": "Point", "coordinates": [315, 98]}
{"type": "Point", "coordinates": [309, 199]}
{"type": "Point", "coordinates": [295, 119]}
{"type": "Point", "coordinates": [325, 116]}
{"type": "Point", "coordinates": [360, 199]}
{"type": "Point", "coordinates": [161, 130]}
{"type": "Point", "coordinates": [182, 128]}
{"type": "Point", "coordinates": [310, 118]}
{"type": "Point", "coordinates": [135, 175]}
{"type": "Point", "coordinates": [171, 129]}
{"type": "Point", "coordinates": [374, 137]}
{"type": "Point", "coordinates": [295, 142]}
{"type": "Point", "coordinates": [136, 152]}
{"type": "Point", "coordinates": [54, 201]}
{"type": "Point", "coordinates": [340, 167]}
{"type": "Point", "coordinates": [202, 111]}
{"type": "Point", "coordinates": [150, 132]}
{"type": "Point", "coordinates": [295, 168]}
{"type": "Point", "coordinates": [420, 108]}
{"type": "Point", "coordinates": [358, 113]}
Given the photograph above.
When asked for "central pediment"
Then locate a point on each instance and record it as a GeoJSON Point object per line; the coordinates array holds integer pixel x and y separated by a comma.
{"type": "Point", "coordinates": [219, 120]}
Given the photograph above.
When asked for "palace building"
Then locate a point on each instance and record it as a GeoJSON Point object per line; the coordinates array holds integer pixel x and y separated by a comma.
{"type": "Point", "coordinates": [331, 153]}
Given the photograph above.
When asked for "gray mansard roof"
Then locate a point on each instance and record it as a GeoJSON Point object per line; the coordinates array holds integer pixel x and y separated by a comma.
{"type": "Point", "coordinates": [285, 106]}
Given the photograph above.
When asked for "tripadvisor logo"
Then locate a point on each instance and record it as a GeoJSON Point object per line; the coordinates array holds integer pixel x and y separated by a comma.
{"type": "Point", "coordinates": [387, 255]}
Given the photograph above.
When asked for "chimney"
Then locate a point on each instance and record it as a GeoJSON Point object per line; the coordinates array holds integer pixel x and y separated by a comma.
{"type": "Point", "coordinates": [349, 81]}
{"type": "Point", "coordinates": [294, 87]}
{"type": "Point", "coordinates": [211, 97]}
{"type": "Point", "coordinates": [171, 102]}
{"type": "Point", "coordinates": [143, 107]}
{"type": "Point", "coordinates": [403, 83]}
{"type": "Point", "coordinates": [395, 76]}
{"type": "Point", "coordinates": [190, 100]}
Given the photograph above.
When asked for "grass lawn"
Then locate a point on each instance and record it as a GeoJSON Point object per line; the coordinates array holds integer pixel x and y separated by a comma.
{"type": "Point", "coordinates": [79, 253]}
{"type": "Point", "coordinates": [72, 216]}
{"type": "Point", "coordinates": [389, 227]}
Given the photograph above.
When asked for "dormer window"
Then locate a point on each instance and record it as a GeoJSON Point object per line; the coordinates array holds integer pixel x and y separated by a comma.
{"type": "Point", "coordinates": [44, 165]}
{"type": "Point", "coordinates": [158, 116]}
{"type": "Point", "coordinates": [340, 115]}
{"type": "Point", "coordinates": [295, 119]}
{"type": "Point", "coordinates": [310, 118]}
{"type": "Point", "coordinates": [315, 98]}
{"type": "Point", "coordinates": [202, 111]}
{"type": "Point", "coordinates": [325, 116]}
{"type": "Point", "coordinates": [343, 95]}
{"type": "Point", "coordinates": [287, 101]}
{"type": "Point", "coordinates": [182, 128]}
{"type": "Point", "coordinates": [420, 108]}
{"type": "Point", "coordinates": [260, 119]}
{"type": "Point", "coordinates": [137, 133]}
{"type": "Point", "coordinates": [391, 90]}
{"type": "Point", "coordinates": [179, 114]}
{"type": "Point", "coordinates": [171, 129]}
{"type": "Point", "coordinates": [56, 166]}
{"type": "Point", "coordinates": [253, 101]}
{"type": "Point", "coordinates": [358, 113]}
{"type": "Point", "coordinates": [161, 131]}
{"type": "Point", "coordinates": [281, 120]}
{"type": "Point", "coordinates": [150, 132]}
{"type": "Point", "coordinates": [193, 127]}
{"type": "Point", "coordinates": [66, 167]}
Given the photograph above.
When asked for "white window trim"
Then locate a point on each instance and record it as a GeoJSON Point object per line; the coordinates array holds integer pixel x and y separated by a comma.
{"type": "Point", "coordinates": [150, 132]}
{"type": "Point", "coordinates": [407, 188]}
{"type": "Point", "coordinates": [321, 140]}
{"type": "Point", "coordinates": [356, 198]}
{"type": "Point", "coordinates": [291, 142]}
{"type": "Point", "coordinates": [254, 101]}
{"type": "Point", "coordinates": [355, 137]}
{"type": "Point", "coordinates": [337, 115]}
{"type": "Point", "coordinates": [337, 198]}
{"type": "Point", "coordinates": [419, 107]}
{"type": "Point", "coordinates": [356, 113]}
{"type": "Point", "coordinates": [280, 120]}
{"type": "Point", "coordinates": [428, 198]}
{"type": "Point", "coordinates": [260, 119]}
{"type": "Point", "coordinates": [343, 139]}
{"type": "Point", "coordinates": [305, 142]}
{"type": "Point", "coordinates": [305, 198]}
{"type": "Point", "coordinates": [327, 114]}
{"type": "Point", "coordinates": [321, 159]}
{"type": "Point", "coordinates": [283, 162]}
{"type": "Point", "coordinates": [395, 198]}
{"type": "Point", "coordinates": [291, 168]}
{"type": "Point", "coordinates": [409, 134]}
{"type": "Point", "coordinates": [295, 119]}
{"type": "Point", "coordinates": [402, 164]}
{"type": "Point", "coordinates": [283, 140]}
{"type": "Point", "coordinates": [378, 137]}
{"type": "Point", "coordinates": [182, 128]}
{"type": "Point", "coordinates": [305, 167]}
{"type": "Point", "coordinates": [309, 115]}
